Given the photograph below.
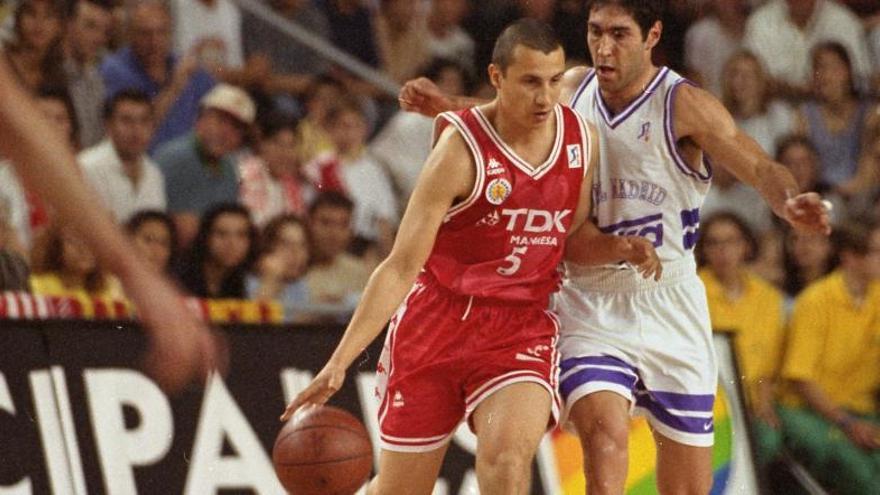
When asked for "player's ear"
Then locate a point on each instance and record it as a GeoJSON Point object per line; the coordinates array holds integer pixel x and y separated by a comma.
{"type": "Point", "coordinates": [654, 35]}
{"type": "Point", "coordinates": [494, 75]}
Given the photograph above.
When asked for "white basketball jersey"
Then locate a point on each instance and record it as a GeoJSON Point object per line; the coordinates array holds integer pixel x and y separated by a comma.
{"type": "Point", "coordinates": [643, 186]}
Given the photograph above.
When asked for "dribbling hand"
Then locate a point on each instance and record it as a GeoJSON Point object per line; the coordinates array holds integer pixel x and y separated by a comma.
{"type": "Point", "coordinates": [808, 212]}
{"type": "Point", "coordinates": [328, 381]}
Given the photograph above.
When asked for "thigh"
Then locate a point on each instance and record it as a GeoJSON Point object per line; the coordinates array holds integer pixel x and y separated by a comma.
{"type": "Point", "coordinates": [407, 473]}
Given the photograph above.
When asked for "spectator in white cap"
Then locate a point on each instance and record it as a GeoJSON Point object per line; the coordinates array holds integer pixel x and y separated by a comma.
{"type": "Point", "coordinates": [199, 167]}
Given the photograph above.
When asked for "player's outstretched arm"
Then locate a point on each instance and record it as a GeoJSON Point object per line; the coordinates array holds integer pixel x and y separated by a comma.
{"type": "Point", "coordinates": [448, 174]}
{"type": "Point", "coordinates": [422, 96]}
{"type": "Point", "coordinates": [182, 348]}
{"type": "Point", "coordinates": [703, 119]}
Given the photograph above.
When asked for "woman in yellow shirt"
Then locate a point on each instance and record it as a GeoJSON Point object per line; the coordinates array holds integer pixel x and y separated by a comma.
{"type": "Point", "coordinates": [744, 304]}
{"type": "Point", "coordinates": [65, 267]}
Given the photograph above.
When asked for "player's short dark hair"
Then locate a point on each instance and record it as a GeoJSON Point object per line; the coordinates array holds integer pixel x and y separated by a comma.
{"type": "Point", "coordinates": [332, 199]}
{"type": "Point", "coordinates": [129, 95]}
{"type": "Point", "coordinates": [530, 33]}
{"type": "Point", "coordinates": [853, 237]}
{"type": "Point", "coordinates": [644, 12]}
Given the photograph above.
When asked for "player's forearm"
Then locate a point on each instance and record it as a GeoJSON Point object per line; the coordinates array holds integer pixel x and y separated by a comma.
{"type": "Point", "coordinates": [386, 289]}
{"type": "Point", "coordinates": [776, 185]}
{"type": "Point", "coordinates": [597, 249]}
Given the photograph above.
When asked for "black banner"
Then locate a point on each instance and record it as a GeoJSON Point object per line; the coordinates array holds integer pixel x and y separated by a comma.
{"type": "Point", "coordinates": [79, 417]}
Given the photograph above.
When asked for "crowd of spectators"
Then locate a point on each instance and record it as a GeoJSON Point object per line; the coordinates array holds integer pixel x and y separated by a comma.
{"type": "Point", "coordinates": [248, 166]}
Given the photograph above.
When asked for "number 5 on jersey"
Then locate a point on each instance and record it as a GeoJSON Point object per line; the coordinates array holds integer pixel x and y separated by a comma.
{"type": "Point", "coordinates": [515, 261]}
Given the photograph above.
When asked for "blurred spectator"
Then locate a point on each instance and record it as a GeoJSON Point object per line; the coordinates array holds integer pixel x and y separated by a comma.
{"type": "Point", "coordinates": [401, 28]}
{"type": "Point", "coordinates": [402, 146]}
{"type": "Point", "coordinates": [209, 29]}
{"type": "Point", "coordinates": [280, 267]}
{"type": "Point", "coordinates": [353, 172]}
{"type": "Point", "coordinates": [198, 167]}
{"type": "Point", "coordinates": [175, 85]}
{"type": "Point", "coordinates": [569, 23]}
{"type": "Point", "coordinates": [221, 254]}
{"type": "Point", "coordinates": [14, 208]}
{"type": "Point", "coordinates": [834, 118]}
{"type": "Point", "coordinates": [320, 96]}
{"type": "Point", "coordinates": [118, 168]}
{"type": "Point", "coordinates": [782, 33]}
{"type": "Point", "coordinates": [484, 22]}
{"type": "Point", "coordinates": [290, 65]}
{"type": "Point", "coordinates": [34, 54]}
{"type": "Point", "coordinates": [88, 30]}
{"type": "Point", "coordinates": [874, 47]}
{"type": "Point", "coordinates": [446, 38]}
{"type": "Point", "coordinates": [742, 303]}
{"type": "Point", "coordinates": [729, 194]}
{"type": "Point", "coordinates": [271, 180]}
{"type": "Point", "coordinates": [14, 271]}
{"type": "Point", "coordinates": [64, 266]}
{"type": "Point", "coordinates": [711, 41]}
{"type": "Point", "coordinates": [747, 95]}
{"type": "Point", "coordinates": [352, 28]}
{"type": "Point", "coordinates": [335, 278]}
{"type": "Point", "coordinates": [830, 417]}
{"type": "Point", "coordinates": [808, 257]}
{"type": "Point", "coordinates": [866, 202]}
{"type": "Point", "coordinates": [800, 156]}
{"type": "Point", "coordinates": [154, 236]}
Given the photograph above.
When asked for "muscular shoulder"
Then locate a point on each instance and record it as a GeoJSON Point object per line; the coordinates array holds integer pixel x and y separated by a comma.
{"type": "Point", "coordinates": [450, 166]}
{"type": "Point", "coordinates": [698, 112]}
{"type": "Point", "coordinates": [571, 80]}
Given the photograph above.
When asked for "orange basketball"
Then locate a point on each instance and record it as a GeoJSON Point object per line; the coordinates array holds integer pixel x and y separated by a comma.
{"type": "Point", "coordinates": [323, 450]}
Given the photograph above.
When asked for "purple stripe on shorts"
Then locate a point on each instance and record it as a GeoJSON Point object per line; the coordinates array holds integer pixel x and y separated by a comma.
{"type": "Point", "coordinates": [684, 402]}
{"type": "Point", "coordinates": [681, 423]}
{"type": "Point", "coordinates": [588, 375]}
{"type": "Point", "coordinates": [570, 363]}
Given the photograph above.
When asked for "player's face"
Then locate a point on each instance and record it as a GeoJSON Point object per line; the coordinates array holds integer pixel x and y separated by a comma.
{"type": "Point", "coordinates": [725, 247]}
{"type": "Point", "coordinates": [529, 89]}
{"type": "Point", "coordinates": [621, 54]}
{"type": "Point", "coordinates": [229, 240]}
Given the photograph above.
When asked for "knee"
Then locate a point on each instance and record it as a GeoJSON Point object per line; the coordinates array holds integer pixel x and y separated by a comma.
{"type": "Point", "coordinates": [604, 434]}
{"type": "Point", "coordinates": [513, 464]}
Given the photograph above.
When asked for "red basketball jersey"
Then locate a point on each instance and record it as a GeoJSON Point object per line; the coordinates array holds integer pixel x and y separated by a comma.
{"type": "Point", "coordinates": [507, 238]}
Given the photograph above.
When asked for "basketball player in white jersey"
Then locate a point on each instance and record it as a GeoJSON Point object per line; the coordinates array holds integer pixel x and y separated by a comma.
{"type": "Point", "coordinates": [634, 345]}
{"type": "Point", "coordinates": [182, 348]}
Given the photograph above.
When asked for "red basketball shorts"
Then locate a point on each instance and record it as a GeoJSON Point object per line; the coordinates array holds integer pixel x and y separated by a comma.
{"type": "Point", "coordinates": [445, 353]}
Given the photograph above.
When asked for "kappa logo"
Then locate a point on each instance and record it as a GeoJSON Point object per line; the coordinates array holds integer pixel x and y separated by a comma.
{"type": "Point", "coordinates": [398, 399]}
{"type": "Point", "coordinates": [491, 219]}
{"type": "Point", "coordinates": [495, 167]}
{"type": "Point", "coordinates": [574, 155]}
{"type": "Point", "coordinates": [498, 190]}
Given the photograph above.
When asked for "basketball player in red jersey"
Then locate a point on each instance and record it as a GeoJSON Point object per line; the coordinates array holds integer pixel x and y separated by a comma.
{"type": "Point", "coordinates": [466, 285]}
{"type": "Point", "coordinates": [182, 348]}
